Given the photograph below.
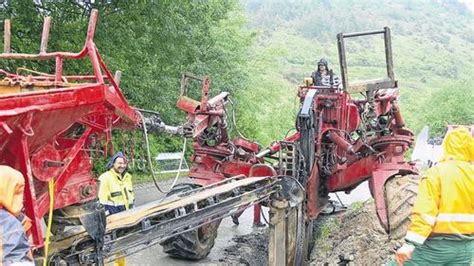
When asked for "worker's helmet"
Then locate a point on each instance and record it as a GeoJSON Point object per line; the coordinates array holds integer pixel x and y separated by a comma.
{"type": "Point", "coordinates": [323, 61]}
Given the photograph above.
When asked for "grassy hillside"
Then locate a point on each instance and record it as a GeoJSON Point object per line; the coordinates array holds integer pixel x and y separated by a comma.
{"type": "Point", "coordinates": [433, 46]}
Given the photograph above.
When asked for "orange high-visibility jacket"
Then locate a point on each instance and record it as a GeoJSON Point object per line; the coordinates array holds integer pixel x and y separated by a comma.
{"type": "Point", "coordinates": [445, 201]}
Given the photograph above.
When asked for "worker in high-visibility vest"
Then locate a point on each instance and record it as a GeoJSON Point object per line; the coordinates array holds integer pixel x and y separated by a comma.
{"type": "Point", "coordinates": [116, 189]}
{"type": "Point", "coordinates": [442, 223]}
{"type": "Point", "coordinates": [14, 246]}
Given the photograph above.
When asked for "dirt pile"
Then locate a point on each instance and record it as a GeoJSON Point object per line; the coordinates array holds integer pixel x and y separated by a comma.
{"type": "Point", "coordinates": [249, 250]}
{"type": "Point", "coordinates": [354, 237]}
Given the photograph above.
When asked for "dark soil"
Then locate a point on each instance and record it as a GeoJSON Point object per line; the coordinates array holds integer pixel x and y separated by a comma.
{"type": "Point", "coordinates": [353, 237]}
{"type": "Point", "coordinates": [249, 250]}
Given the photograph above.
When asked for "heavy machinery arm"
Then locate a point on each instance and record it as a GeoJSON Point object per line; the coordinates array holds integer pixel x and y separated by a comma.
{"type": "Point", "coordinates": [141, 227]}
{"type": "Point", "coordinates": [340, 143]}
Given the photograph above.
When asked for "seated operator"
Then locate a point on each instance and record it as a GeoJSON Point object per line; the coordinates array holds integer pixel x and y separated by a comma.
{"type": "Point", "coordinates": [321, 72]}
{"type": "Point", "coordinates": [323, 76]}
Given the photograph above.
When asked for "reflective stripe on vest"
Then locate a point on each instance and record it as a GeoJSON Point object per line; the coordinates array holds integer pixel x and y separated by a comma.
{"type": "Point", "coordinates": [111, 203]}
{"type": "Point", "coordinates": [431, 220]}
{"type": "Point", "coordinates": [414, 237]}
{"type": "Point", "coordinates": [455, 217]}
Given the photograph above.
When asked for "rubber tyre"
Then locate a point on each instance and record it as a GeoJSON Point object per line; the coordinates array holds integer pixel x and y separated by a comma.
{"type": "Point", "coordinates": [195, 244]}
{"type": "Point", "coordinates": [309, 241]}
{"type": "Point", "coordinates": [400, 194]}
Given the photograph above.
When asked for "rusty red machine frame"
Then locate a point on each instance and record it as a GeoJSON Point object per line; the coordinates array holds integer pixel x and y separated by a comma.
{"type": "Point", "coordinates": [215, 156]}
{"type": "Point", "coordinates": [375, 153]}
{"type": "Point", "coordinates": [50, 123]}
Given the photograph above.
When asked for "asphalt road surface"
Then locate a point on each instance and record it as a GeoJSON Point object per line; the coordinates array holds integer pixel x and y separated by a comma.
{"type": "Point", "coordinates": [227, 230]}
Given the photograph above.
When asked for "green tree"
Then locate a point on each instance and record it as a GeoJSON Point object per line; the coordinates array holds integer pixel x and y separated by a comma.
{"type": "Point", "coordinates": [449, 105]}
{"type": "Point", "coordinates": [151, 42]}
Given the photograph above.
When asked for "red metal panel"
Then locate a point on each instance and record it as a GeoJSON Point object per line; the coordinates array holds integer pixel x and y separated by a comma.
{"type": "Point", "coordinates": [46, 163]}
{"type": "Point", "coordinates": [21, 162]}
{"type": "Point", "coordinates": [353, 118]}
{"type": "Point", "coordinates": [188, 105]}
{"type": "Point", "coordinates": [312, 194]}
{"type": "Point", "coordinates": [262, 170]}
{"type": "Point", "coordinates": [351, 176]}
{"type": "Point", "coordinates": [233, 168]}
{"type": "Point", "coordinates": [246, 145]}
{"type": "Point", "coordinates": [31, 120]}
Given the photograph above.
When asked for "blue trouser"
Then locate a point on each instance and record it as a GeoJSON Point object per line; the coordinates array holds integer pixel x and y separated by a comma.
{"type": "Point", "coordinates": [109, 209]}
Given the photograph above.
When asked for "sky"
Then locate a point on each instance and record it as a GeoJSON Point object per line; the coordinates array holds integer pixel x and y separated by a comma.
{"type": "Point", "coordinates": [469, 4]}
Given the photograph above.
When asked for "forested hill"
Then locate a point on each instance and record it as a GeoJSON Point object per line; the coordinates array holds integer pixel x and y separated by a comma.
{"type": "Point", "coordinates": [432, 40]}
{"type": "Point", "coordinates": [433, 46]}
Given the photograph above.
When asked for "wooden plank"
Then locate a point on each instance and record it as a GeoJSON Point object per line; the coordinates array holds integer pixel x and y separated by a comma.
{"type": "Point", "coordinates": [291, 226]}
{"type": "Point", "coordinates": [136, 215]}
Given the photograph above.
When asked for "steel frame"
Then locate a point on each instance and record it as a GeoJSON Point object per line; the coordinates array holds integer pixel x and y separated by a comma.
{"type": "Point", "coordinates": [38, 114]}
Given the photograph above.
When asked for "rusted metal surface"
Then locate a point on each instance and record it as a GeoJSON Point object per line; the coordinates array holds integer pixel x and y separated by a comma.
{"type": "Point", "coordinates": [45, 35]}
{"type": "Point", "coordinates": [389, 82]}
{"type": "Point", "coordinates": [187, 104]}
{"type": "Point", "coordinates": [246, 145]}
{"type": "Point", "coordinates": [66, 55]}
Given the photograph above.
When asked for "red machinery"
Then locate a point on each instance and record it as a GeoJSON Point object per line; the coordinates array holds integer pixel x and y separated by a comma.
{"type": "Point", "coordinates": [215, 156]}
{"type": "Point", "coordinates": [340, 143]}
{"type": "Point", "coordinates": [345, 141]}
{"type": "Point", "coordinates": [51, 124]}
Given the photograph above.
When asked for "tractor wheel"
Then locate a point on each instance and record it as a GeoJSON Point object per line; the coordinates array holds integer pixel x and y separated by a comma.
{"type": "Point", "coordinates": [309, 240]}
{"type": "Point", "coordinates": [195, 244]}
{"type": "Point", "coordinates": [400, 195]}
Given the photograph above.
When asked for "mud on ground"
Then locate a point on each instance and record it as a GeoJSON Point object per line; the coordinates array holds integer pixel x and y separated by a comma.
{"type": "Point", "coordinates": [249, 250]}
{"type": "Point", "coordinates": [353, 237]}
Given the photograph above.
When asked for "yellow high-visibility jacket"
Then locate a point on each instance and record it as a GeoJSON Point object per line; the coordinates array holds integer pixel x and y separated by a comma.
{"type": "Point", "coordinates": [445, 201]}
{"type": "Point", "coordinates": [115, 190]}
